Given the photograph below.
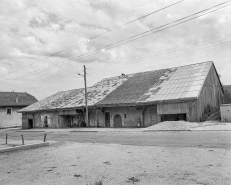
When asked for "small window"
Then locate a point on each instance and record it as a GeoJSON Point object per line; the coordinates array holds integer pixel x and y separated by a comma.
{"type": "Point", "coordinates": [8, 110]}
{"type": "Point", "coordinates": [125, 116]}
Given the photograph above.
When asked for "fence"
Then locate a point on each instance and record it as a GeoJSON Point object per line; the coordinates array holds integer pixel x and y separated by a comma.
{"type": "Point", "coordinates": [22, 137]}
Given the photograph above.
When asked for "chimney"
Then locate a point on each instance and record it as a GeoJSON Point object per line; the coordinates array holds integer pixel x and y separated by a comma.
{"type": "Point", "coordinates": [16, 98]}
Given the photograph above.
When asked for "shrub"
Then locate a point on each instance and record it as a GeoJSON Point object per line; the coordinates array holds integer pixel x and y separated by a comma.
{"type": "Point", "coordinates": [208, 111]}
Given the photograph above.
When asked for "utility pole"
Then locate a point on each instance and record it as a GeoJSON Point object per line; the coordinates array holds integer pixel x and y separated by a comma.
{"type": "Point", "coordinates": [85, 84]}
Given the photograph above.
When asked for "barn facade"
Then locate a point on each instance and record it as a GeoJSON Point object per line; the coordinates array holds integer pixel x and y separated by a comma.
{"type": "Point", "coordinates": [134, 100]}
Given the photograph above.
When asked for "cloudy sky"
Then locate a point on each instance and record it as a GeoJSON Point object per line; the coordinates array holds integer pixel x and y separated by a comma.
{"type": "Point", "coordinates": [34, 32]}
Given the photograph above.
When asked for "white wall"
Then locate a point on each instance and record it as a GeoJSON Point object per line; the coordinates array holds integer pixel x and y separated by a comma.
{"type": "Point", "coordinates": [10, 120]}
{"type": "Point", "coordinates": [226, 113]}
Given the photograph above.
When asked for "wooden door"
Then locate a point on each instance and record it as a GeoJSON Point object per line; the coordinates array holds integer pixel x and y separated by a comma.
{"type": "Point", "coordinates": [107, 119]}
{"type": "Point", "coordinates": [117, 121]}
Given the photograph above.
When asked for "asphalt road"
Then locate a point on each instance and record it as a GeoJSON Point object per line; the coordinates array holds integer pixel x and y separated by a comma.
{"type": "Point", "coordinates": [200, 139]}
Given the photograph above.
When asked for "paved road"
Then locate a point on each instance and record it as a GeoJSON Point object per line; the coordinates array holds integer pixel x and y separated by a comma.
{"type": "Point", "coordinates": [201, 139]}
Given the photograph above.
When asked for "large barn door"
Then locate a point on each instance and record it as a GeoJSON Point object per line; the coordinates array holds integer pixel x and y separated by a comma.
{"type": "Point", "coordinates": [150, 116]}
{"type": "Point", "coordinates": [117, 121]}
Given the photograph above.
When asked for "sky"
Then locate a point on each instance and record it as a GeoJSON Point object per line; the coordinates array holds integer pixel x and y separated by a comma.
{"type": "Point", "coordinates": [45, 44]}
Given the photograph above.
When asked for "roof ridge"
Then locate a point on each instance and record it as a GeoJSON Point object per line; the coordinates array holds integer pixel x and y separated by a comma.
{"type": "Point", "coordinates": [157, 70]}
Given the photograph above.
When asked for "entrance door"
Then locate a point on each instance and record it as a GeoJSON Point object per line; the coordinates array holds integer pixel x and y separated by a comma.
{"type": "Point", "coordinates": [107, 119]}
{"type": "Point", "coordinates": [117, 121]}
{"type": "Point", "coordinates": [30, 123]}
{"type": "Point", "coordinates": [45, 122]}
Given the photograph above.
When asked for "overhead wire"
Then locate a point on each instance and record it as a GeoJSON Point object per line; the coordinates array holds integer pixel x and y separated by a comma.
{"type": "Point", "coordinates": [132, 38]}
{"type": "Point", "coordinates": [94, 37]}
{"type": "Point", "coordinates": [156, 59]}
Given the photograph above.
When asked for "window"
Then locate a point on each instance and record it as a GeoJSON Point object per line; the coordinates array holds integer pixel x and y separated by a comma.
{"type": "Point", "coordinates": [125, 116]}
{"type": "Point", "coordinates": [8, 110]}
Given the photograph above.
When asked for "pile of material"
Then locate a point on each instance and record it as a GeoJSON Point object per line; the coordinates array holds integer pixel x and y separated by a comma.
{"type": "Point", "coordinates": [171, 125]}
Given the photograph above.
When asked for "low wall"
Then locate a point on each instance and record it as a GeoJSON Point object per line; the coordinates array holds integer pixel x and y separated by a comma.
{"type": "Point", "coordinates": [226, 113]}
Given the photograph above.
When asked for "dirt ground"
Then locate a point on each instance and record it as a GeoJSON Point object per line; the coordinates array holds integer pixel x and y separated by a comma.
{"type": "Point", "coordinates": [102, 164]}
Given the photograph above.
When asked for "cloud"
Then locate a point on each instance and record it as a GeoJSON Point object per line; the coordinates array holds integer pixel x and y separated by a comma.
{"type": "Point", "coordinates": [33, 30]}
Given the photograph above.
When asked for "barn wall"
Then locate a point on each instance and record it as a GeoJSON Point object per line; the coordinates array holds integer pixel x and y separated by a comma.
{"type": "Point", "coordinates": [172, 108]}
{"type": "Point", "coordinates": [131, 117]}
{"type": "Point", "coordinates": [52, 119]}
{"type": "Point", "coordinates": [211, 93]}
{"type": "Point", "coordinates": [96, 115]}
{"type": "Point", "coordinates": [25, 117]}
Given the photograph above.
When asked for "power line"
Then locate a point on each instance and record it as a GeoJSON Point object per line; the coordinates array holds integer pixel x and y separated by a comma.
{"type": "Point", "coordinates": [121, 42]}
{"type": "Point", "coordinates": [94, 37]}
{"type": "Point", "coordinates": [182, 53]}
{"type": "Point", "coordinates": [30, 74]}
{"type": "Point", "coordinates": [156, 59]}
{"type": "Point", "coordinates": [110, 46]}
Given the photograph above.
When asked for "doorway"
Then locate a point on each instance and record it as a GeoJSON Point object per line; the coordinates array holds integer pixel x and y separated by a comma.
{"type": "Point", "coordinates": [30, 123]}
{"type": "Point", "coordinates": [117, 121]}
{"type": "Point", "coordinates": [107, 119]}
{"type": "Point", "coordinates": [173, 117]}
{"type": "Point", "coordinates": [45, 122]}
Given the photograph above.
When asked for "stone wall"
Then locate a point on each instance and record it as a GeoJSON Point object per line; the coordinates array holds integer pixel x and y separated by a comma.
{"type": "Point", "coordinates": [52, 119]}
{"type": "Point", "coordinates": [131, 117]}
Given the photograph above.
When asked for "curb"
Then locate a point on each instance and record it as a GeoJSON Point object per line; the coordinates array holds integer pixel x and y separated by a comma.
{"type": "Point", "coordinates": [212, 130]}
{"type": "Point", "coordinates": [166, 131]}
{"type": "Point", "coordinates": [84, 131]}
{"type": "Point", "coordinates": [11, 149]}
{"type": "Point", "coordinates": [30, 131]}
{"type": "Point", "coordinates": [181, 130]}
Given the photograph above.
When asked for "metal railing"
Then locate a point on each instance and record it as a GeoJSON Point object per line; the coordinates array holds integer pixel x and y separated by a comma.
{"type": "Point", "coordinates": [22, 137]}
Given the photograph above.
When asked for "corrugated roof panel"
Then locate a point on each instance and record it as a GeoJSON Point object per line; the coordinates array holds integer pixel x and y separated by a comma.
{"type": "Point", "coordinates": [198, 82]}
{"type": "Point", "coordinates": [178, 95]}
{"type": "Point", "coordinates": [195, 88]}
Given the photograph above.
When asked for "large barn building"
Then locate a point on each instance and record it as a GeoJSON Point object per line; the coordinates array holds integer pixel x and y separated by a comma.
{"type": "Point", "coordinates": [134, 100]}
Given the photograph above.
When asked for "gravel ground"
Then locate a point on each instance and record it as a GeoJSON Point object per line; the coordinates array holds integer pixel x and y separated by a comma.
{"type": "Point", "coordinates": [105, 164]}
{"type": "Point", "coordinates": [172, 125]}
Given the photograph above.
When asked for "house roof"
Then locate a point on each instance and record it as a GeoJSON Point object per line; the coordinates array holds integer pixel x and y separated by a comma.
{"type": "Point", "coordinates": [76, 97]}
{"type": "Point", "coordinates": [16, 99]}
{"type": "Point", "coordinates": [179, 83]}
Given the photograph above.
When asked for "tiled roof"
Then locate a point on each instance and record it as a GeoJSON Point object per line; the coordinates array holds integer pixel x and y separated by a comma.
{"type": "Point", "coordinates": [75, 98]}
{"type": "Point", "coordinates": [162, 85]}
{"type": "Point", "coordinates": [16, 99]}
{"type": "Point", "coordinates": [134, 88]}
{"type": "Point", "coordinates": [177, 83]}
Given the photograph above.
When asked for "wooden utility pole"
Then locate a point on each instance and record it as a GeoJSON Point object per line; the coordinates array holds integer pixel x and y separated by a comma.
{"type": "Point", "coordinates": [85, 83]}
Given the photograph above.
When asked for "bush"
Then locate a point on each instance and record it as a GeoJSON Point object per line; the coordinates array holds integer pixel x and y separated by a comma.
{"type": "Point", "coordinates": [208, 111]}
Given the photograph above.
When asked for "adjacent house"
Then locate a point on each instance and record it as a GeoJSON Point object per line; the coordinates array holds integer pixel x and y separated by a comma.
{"type": "Point", "coordinates": [226, 107]}
{"type": "Point", "coordinates": [133, 100]}
{"type": "Point", "coordinates": [225, 112]}
{"type": "Point", "coordinates": [10, 103]}
{"type": "Point", "coordinates": [227, 92]}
